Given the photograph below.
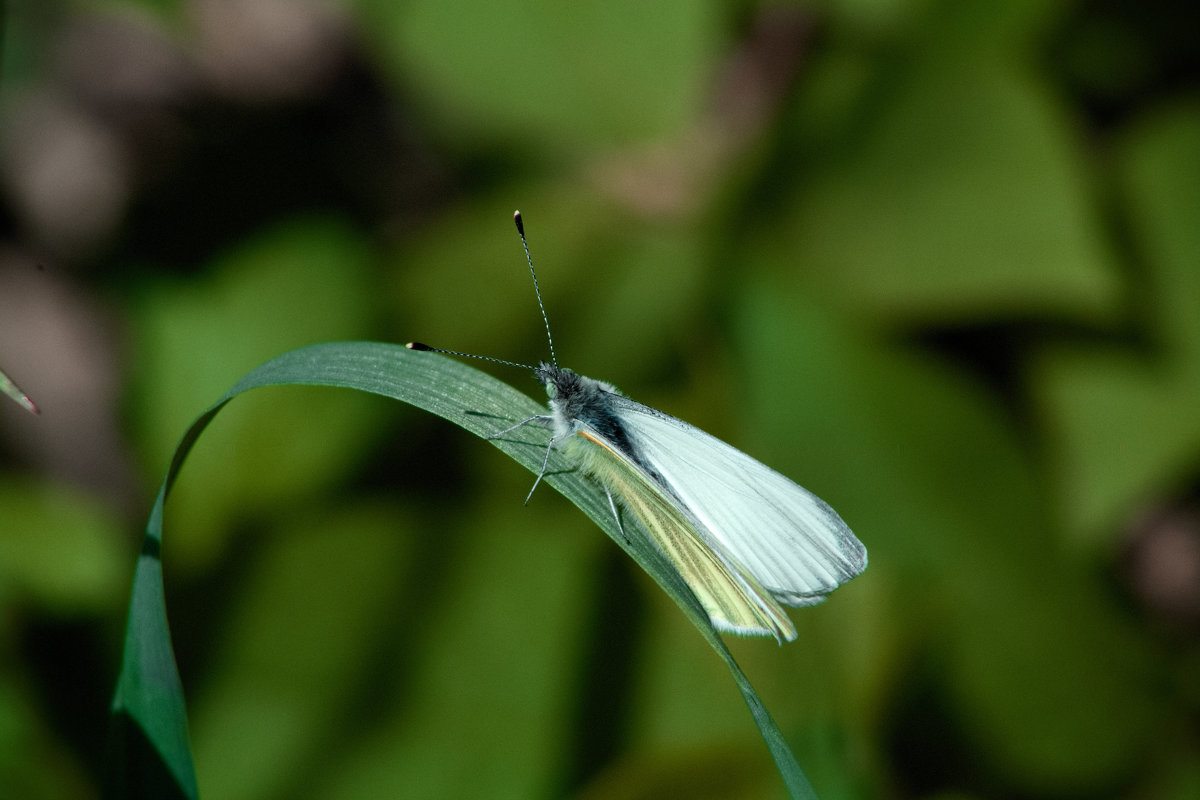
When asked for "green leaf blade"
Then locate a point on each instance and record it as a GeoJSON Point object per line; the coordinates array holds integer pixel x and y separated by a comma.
{"type": "Point", "coordinates": [149, 693]}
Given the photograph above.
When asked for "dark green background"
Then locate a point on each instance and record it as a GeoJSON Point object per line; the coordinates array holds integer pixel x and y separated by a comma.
{"type": "Point", "coordinates": [939, 262]}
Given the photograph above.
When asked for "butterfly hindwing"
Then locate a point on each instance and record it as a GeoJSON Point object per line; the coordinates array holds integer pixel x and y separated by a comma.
{"type": "Point", "coordinates": [732, 597]}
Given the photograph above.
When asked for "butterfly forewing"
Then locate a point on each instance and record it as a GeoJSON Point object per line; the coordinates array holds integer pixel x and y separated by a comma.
{"type": "Point", "coordinates": [787, 538]}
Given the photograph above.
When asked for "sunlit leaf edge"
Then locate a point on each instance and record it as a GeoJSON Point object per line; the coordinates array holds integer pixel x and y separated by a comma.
{"type": "Point", "coordinates": [9, 387]}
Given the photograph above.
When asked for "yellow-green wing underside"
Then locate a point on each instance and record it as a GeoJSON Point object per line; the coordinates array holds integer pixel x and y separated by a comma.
{"type": "Point", "coordinates": [734, 600]}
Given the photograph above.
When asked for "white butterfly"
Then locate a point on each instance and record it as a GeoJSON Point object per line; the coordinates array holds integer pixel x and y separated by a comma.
{"type": "Point", "coordinates": [742, 536]}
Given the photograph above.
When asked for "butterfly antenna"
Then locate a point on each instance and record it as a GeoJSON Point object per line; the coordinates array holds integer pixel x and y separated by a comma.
{"type": "Point", "coordinates": [537, 290]}
{"type": "Point", "coordinates": [427, 349]}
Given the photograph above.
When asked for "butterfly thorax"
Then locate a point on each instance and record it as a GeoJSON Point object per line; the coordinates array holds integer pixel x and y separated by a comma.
{"type": "Point", "coordinates": [576, 400]}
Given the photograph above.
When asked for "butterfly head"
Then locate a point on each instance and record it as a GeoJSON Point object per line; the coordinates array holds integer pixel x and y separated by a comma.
{"type": "Point", "coordinates": [559, 382]}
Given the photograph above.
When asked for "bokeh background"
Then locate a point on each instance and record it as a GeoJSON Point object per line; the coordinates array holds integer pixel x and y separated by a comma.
{"type": "Point", "coordinates": [937, 261]}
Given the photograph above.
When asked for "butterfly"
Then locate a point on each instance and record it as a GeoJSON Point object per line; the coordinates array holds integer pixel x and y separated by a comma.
{"type": "Point", "coordinates": [746, 539]}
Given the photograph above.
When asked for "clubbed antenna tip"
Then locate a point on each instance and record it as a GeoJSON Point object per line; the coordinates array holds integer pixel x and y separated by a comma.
{"type": "Point", "coordinates": [520, 224]}
{"type": "Point", "coordinates": [427, 349]}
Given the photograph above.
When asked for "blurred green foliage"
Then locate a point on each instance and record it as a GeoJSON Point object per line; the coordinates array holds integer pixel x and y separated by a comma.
{"type": "Point", "coordinates": [938, 262]}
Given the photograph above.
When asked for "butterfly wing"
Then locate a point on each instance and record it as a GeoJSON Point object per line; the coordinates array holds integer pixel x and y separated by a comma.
{"type": "Point", "coordinates": [787, 538]}
{"type": "Point", "coordinates": [734, 600]}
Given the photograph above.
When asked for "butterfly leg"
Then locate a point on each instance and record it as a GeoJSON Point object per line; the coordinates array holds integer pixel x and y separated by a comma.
{"type": "Point", "coordinates": [541, 419]}
{"type": "Point", "coordinates": [617, 516]}
{"type": "Point", "coordinates": [545, 465]}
